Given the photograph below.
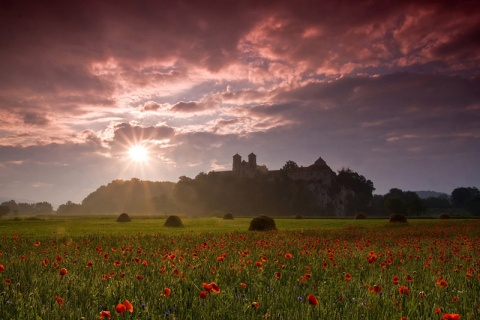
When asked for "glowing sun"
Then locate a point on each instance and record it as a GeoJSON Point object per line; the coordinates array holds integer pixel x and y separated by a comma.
{"type": "Point", "coordinates": [138, 153]}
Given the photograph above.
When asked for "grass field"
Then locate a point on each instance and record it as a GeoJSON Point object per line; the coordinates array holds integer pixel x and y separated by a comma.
{"type": "Point", "coordinates": [73, 268]}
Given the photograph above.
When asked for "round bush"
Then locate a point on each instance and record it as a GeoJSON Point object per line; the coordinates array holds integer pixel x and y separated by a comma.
{"type": "Point", "coordinates": [298, 216]}
{"type": "Point", "coordinates": [396, 217]}
{"type": "Point", "coordinates": [228, 216]}
{"type": "Point", "coordinates": [360, 216]}
{"type": "Point", "coordinates": [444, 216]}
{"type": "Point", "coordinates": [262, 223]}
{"type": "Point", "coordinates": [173, 221]}
{"type": "Point", "coordinates": [124, 218]}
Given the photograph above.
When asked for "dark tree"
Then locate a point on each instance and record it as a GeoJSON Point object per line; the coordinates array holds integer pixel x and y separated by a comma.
{"type": "Point", "coordinates": [4, 210]}
{"type": "Point", "coordinates": [289, 165]}
{"type": "Point", "coordinates": [460, 196]}
{"type": "Point", "coordinates": [363, 189]}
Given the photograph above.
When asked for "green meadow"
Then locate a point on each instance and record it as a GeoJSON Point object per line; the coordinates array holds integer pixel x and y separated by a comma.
{"type": "Point", "coordinates": [97, 268]}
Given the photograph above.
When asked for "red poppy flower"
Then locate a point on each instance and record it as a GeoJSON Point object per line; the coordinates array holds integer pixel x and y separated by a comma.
{"type": "Point", "coordinates": [450, 316]}
{"type": "Point", "coordinates": [105, 314]}
{"type": "Point", "coordinates": [120, 308]}
{"type": "Point", "coordinates": [348, 277]}
{"type": "Point", "coordinates": [395, 280]}
{"type": "Point", "coordinates": [215, 287]}
{"type": "Point", "coordinates": [454, 299]}
{"type": "Point", "coordinates": [60, 301]}
{"type": "Point", "coordinates": [288, 256]}
{"type": "Point", "coordinates": [243, 284]}
{"type": "Point", "coordinates": [166, 292]}
{"type": "Point", "coordinates": [8, 282]}
{"type": "Point", "coordinates": [375, 289]}
{"type": "Point", "coordinates": [128, 305]}
{"type": "Point", "coordinates": [442, 283]}
{"type": "Point", "coordinates": [404, 290]}
{"type": "Point", "coordinates": [45, 262]}
{"type": "Point", "coordinates": [255, 305]}
{"type": "Point", "coordinates": [63, 271]}
{"type": "Point", "coordinates": [139, 277]}
{"type": "Point", "coordinates": [2, 268]}
{"type": "Point", "coordinates": [409, 278]}
{"type": "Point", "coordinates": [36, 244]}
{"type": "Point", "coordinates": [278, 275]}
{"type": "Point", "coordinates": [89, 264]}
{"type": "Point", "coordinates": [207, 287]}
{"type": "Point", "coordinates": [312, 300]}
{"type": "Point", "coordinates": [203, 295]}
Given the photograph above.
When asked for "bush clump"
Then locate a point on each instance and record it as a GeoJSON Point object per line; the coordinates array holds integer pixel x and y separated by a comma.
{"type": "Point", "coordinates": [298, 216]}
{"type": "Point", "coordinates": [124, 217]}
{"type": "Point", "coordinates": [444, 216]}
{"type": "Point", "coordinates": [228, 216]}
{"type": "Point", "coordinates": [396, 217]}
{"type": "Point", "coordinates": [360, 216]}
{"type": "Point", "coordinates": [173, 221]}
{"type": "Point", "coordinates": [262, 223]}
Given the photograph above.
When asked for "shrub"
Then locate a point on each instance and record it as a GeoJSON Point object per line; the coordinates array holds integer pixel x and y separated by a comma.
{"type": "Point", "coordinates": [396, 217]}
{"type": "Point", "coordinates": [360, 216]}
{"type": "Point", "coordinates": [298, 216]}
{"type": "Point", "coordinates": [228, 216]}
{"type": "Point", "coordinates": [262, 223]}
{"type": "Point", "coordinates": [444, 216]}
{"type": "Point", "coordinates": [173, 221]}
{"type": "Point", "coordinates": [124, 218]}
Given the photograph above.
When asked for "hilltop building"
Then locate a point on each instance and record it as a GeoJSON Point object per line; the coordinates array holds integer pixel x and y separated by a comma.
{"type": "Point", "coordinates": [319, 178]}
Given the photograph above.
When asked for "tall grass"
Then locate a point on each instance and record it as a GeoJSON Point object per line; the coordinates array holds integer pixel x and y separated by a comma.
{"type": "Point", "coordinates": [349, 268]}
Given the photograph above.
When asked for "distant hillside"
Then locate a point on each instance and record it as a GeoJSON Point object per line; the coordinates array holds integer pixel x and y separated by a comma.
{"type": "Point", "coordinates": [434, 194]}
{"type": "Point", "coordinates": [131, 196]}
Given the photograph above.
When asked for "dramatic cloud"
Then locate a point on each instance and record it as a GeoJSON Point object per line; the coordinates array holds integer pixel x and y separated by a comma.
{"type": "Point", "coordinates": [390, 89]}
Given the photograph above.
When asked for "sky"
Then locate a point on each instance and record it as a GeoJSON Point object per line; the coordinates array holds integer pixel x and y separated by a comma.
{"type": "Point", "coordinates": [389, 89]}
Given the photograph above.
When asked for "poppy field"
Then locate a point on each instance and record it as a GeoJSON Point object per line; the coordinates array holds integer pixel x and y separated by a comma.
{"type": "Point", "coordinates": [419, 270]}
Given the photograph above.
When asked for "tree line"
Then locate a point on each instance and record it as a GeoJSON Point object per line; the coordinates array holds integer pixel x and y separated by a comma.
{"type": "Point", "coordinates": [215, 194]}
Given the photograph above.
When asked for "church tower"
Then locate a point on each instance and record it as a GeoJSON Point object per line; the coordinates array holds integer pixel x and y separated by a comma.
{"type": "Point", "coordinates": [237, 162]}
{"type": "Point", "coordinates": [252, 161]}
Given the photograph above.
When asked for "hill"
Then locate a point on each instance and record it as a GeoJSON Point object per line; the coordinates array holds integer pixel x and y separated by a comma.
{"type": "Point", "coordinates": [431, 194]}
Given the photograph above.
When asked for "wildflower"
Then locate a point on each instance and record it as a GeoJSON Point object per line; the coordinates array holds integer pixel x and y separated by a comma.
{"type": "Point", "coordinates": [203, 295]}
{"type": "Point", "coordinates": [441, 283]}
{"type": "Point", "coordinates": [8, 282]}
{"type": "Point", "coordinates": [2, 268]}
{"type": "Point", "coordinates": [454, 299]}
{"type": "Point", "coordinates": [403, 318]}
{"type": "Point", "coordinates": [139, 277]}
{"type": "Point", "coordinates": [120, 308]}
{"type": "Point", "coordinates": [45, 262]}
{"type": "Point", "coordinates": [450, 316]}
{"type": "Point", "coordinates": [105, 314]}
{"type": "Point", "coordinates": [63, 271]}
{"type": "Point", "coordinates": [395, 280]}
{"type": "Point", "coordinates": [243, 284]}
{"type": "Point", "coordinates": [312, 300]}
{"type": "Point", "coordinates": [255, 305]}
{"type": "Point", "coordinates": [404, 290]}
{"type": "Point", "coordinates": [375, 289]}
{"type": "Point", "coordinates": [348, 277]}
{"type": "Point", "coordinates": [166, 292]}
{"type": "Point", "coordinates": [288, 256]}
{"type": "Point", "coordinates": [278, 275]}
{"type": "Point", "coordinates": [60, 301]}
{"type": "Point", "coordinates": [215, 287]}
{"type": "Point", "coordinates": [89, 264]}
{"type": "Point", "coordinates": [409, 278]}
{"type": "Point", "coordinates": [36, 244]}
{"type": "Point", "coordinates": [128, 305]}
{"type": "Point", "coordinates": [299, 298]}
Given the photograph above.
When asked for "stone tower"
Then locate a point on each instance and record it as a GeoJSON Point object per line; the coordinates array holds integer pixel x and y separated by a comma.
{"type": "Point", "coordinates": [237, 162]}
{"type": "Point", "coordinates": [252, 161]}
